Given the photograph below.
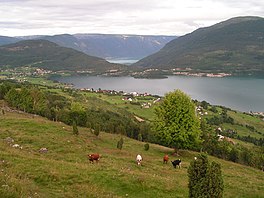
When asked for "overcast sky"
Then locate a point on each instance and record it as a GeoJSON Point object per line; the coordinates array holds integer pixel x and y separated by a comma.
{"type": "Point", "coordinates": [147, 17]}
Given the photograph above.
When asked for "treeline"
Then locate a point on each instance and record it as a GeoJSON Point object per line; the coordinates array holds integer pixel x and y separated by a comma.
{"type": "Point", "coordinates": [56, 107]}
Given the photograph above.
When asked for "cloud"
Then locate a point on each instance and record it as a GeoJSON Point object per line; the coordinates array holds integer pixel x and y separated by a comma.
{"type": "Point", "coordinates": [167, 17]}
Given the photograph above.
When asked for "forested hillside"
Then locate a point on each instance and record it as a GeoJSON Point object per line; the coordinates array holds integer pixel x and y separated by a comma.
{"type": "Point", "coordinates": [234, 46]}
{"type": "Point", "coordinates": [48, 55]}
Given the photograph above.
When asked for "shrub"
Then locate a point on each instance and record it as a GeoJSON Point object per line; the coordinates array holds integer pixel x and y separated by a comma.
{"type": "Point", "coordinates": [74, 128]}
{"type": "Point", "coordinates": [140, 137]}
{"type": "Point", "coordinates": [97, 130]}
{"type": "Point", "coordinates": [146, 146]}
{"type": "Point", "coordinates": [120, 143]}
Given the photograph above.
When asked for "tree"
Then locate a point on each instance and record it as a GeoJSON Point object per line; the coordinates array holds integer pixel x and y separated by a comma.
{"type": "Point", "coordinates": [216, 184]}
{"type": "Point", "coordinates": [140, 137]}
{"type": "Point", "coordinates": [97, 130]}
{"type": "Point", "coordinates": [120, 143]}
{"type": "Point", "coordinates": [176, 122]}
{"type": "Point", "coordinates": [74, 128]}
{"type": "Point", "coordinates": [205, 179]}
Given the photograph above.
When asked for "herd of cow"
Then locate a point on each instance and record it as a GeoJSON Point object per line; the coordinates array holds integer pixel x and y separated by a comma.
{"type": "Point", "coordinates": [95, 157]}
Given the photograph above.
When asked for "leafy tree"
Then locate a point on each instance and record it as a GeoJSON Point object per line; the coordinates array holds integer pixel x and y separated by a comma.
{"type": "Point", "coordinates": [214, 109]}
{"type": "Point", "coordinates": [78, 113]}
{"type": "Point", "coordinates": [205, 104]}
{"type": "Point", "coordinates": [39, 100]}
{"type": "Point", "coordinates": [209, 137]}
{"type": "Point", "coordinates": [13, 97]}
{"type": "Point", "coordinates": [176, 122]}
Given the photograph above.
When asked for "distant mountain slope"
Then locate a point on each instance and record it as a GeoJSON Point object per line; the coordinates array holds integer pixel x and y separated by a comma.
{"type": "Point", "coordinates": [121, 46]}
{"type": "Point", "coordinates": [235, 45]}
{"type": "Point", "coordinates": [4, 40]}
{"type": "Point", "coordinates": [51, 56]}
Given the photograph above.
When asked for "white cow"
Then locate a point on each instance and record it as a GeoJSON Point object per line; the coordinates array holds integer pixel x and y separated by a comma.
{"type": "Point", "coordinates": [139, 159]}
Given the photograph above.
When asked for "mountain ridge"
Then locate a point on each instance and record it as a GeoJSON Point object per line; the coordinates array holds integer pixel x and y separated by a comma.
{"type": "Point", "coordinates": [235, 44]}
{"type": "Point", "coordinates": [106, 45]}
{"type": "Point", "coordinates": [49, 55]}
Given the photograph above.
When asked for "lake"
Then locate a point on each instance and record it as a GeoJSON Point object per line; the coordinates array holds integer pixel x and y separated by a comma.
{"type": "Point", "coordinates": [238, 93]}
{"type": "Point", "coordinates": [124, 61]}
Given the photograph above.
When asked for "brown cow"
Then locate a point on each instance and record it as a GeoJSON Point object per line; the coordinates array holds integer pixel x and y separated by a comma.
{"type": "Point", "coordinates": [165, 159]}
{"type": "Point", "coordinates": [94, 157]}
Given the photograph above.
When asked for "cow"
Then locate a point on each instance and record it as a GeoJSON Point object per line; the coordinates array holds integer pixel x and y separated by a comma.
{"type": "Point", "coordinates": [165, 159]}
{"type": "Point", "coordinates": [94, 157]}
{"type": "Point", "coordinates": [138, 159]}
{"type": "Point", "coordinates": [176, 163]}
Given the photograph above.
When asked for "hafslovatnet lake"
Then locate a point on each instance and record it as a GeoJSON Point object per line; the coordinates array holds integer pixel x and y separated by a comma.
{"type": "Point", "coordinates": [239, 93]}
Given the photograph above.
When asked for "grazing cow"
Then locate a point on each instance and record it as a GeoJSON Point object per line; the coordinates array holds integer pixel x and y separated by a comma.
{"type": "Point", "coordinates": [94, 157]}
{"type": "Point", "coordinates": [165, 159]}
{"type": "Point", "coordinates": [139, 159]}
{"type": "Point", "coordinates": [176, 163]}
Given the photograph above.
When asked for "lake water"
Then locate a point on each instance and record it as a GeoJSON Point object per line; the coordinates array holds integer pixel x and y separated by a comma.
{"type": "Point", "coordinates": [243, 94]}
{"type": "Point", "coordinates": [124, 61]}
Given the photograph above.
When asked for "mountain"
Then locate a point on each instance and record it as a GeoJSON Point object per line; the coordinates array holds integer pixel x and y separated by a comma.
{"type": "Point", "coordinates": [110, 45]}
{"type": "Point", "coordinates": [121, 46]}
{"type": "Point", "coordinates": [234, 46]}
{"type": "Point", "coordinates": [4, 40]}
{"type": "Point", "coordinates": [107, 46]}
{"type": "Point", "coordinates": [48, 55]}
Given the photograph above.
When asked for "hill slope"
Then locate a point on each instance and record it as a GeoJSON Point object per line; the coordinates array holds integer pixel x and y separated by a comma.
{"type": "Point", "coordinates": [121, 46]}
{"type": "Point", "coordinates": [4, 40]}
{"type": "Point", "coordinates": [64, 170]}
{"type": "Point", "coordinates": [48, 55]}
{"type": "Point", "coordinates": [234, 46]}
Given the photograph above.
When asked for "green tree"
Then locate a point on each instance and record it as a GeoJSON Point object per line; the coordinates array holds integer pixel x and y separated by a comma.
{"type": "Point", "coordinates": [176, 122]}
{"type": "Point", "coordinates": [140, 137]}
{"type": "Point", "coordinates": [120, 143]}
{"type": "Point", "coordinates": [215, 184]}
{"type": "Point", "coordinates": [97, 130]}
{"type": "Point", "coordinates": [205, 179]}
{"type": "Point", "coordinates": [39, 100]}
{"type": "Point", "coordinates": [74, 128]}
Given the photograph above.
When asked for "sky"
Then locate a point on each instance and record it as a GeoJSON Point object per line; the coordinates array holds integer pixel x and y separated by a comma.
{"type": "Point", "coordinates": [141, 17]}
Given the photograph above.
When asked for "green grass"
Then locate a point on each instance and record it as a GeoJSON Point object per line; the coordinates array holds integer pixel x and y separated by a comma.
{"type": "Point", "coordinates": [65, 171]}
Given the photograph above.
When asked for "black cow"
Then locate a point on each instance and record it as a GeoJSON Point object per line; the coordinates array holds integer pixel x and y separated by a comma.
{"type": "Point", "coordinates": [176, 163]}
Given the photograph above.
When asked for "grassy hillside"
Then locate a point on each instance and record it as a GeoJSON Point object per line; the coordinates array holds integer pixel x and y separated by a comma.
{"type": "Point", "coordinates": [65, 171]}
{"type": "Point", "coordinates": [48, 55]}
{"type": "Point", "coordinates": [234, 46]}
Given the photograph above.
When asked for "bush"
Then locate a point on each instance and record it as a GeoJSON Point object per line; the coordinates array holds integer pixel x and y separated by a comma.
{"type": "Point", "coordinates": [74, 128]}
{"type": "Point", "coordinates": [120, 143]}
{"type": "Point", "coordinates": [146, 146]}
{"type": "Point", "coordinates": [140, 137]}
{"type": "Point", "coordinates": [97, 130]}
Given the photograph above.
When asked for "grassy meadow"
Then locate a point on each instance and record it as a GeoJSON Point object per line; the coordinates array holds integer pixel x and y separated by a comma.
{"type": "Point", "coordinates": [64, 171]}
